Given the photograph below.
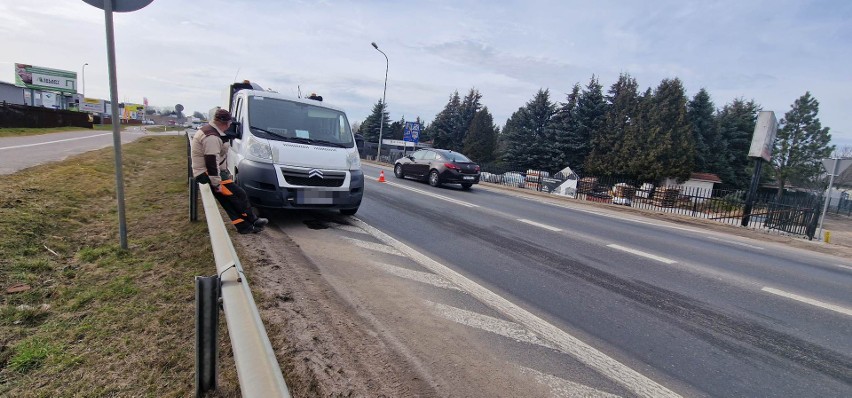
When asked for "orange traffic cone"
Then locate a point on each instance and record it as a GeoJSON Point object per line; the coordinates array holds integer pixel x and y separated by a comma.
{"type": "Point", "coordinates": [382, 176]}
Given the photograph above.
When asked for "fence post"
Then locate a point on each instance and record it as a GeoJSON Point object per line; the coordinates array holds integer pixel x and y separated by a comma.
{"type": "Point", "coordinates": [206, 333]}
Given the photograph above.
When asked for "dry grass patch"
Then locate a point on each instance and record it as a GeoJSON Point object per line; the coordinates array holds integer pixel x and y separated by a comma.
{"type": "Point", "coordinates": [97, 320]}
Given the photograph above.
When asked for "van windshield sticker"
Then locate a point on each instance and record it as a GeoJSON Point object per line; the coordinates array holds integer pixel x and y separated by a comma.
{"type": "Point", "coordinates": [303, 134]}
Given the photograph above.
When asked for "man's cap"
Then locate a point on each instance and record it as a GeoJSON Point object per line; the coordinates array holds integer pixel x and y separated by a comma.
{"type": "Point", "coordinates": [222, 115]}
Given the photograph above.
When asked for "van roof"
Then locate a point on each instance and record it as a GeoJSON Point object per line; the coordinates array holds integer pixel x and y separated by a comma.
{"type": "Point", "coordinates": [270, 94]}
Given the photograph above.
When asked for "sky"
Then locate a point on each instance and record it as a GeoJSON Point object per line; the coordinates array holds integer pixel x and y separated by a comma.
{"type": "Point", "coordinates": [188, 52]}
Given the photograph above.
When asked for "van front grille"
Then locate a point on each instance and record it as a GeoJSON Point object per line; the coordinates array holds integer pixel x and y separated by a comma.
{"type": "Point", "coordinates": [313, 178]}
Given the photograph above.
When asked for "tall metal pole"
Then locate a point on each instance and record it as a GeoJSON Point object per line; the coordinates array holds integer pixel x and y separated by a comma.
{"type": "Point", "coordinates": [84, 79]}
{"type": "Point", "coordinates": [116, 136]}
{"type": "Point", "coordinates": [384, 105]}
{"type": "Point", "coordinates": [827, 196]}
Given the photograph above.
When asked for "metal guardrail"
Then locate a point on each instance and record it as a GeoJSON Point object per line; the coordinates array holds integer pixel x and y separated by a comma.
{"type": "Point", "coordinates": [257, 367]}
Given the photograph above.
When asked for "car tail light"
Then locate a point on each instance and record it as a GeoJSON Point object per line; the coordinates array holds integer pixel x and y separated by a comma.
{"type": "Point", "coordinates": [452, 166]}
{"type": "Point", "coordinates": [476, 168]}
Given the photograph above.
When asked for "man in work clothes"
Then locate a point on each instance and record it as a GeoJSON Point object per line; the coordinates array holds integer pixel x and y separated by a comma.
{"type": "Point", "coordinates": [209, 152]}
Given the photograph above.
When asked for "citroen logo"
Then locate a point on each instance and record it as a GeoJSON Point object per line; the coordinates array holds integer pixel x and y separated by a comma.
{"type": "Point", "coordinates": [315, 173]}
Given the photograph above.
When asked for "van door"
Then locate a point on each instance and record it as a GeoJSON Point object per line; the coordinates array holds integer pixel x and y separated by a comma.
{"type": "Point", "coordinates": [235, 156]}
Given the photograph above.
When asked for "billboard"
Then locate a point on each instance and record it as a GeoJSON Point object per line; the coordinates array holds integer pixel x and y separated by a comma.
{"type": "Point", "coordinates": [763, 139]}
{"type": "Point", "coordinates": [133, 111]}
{"type": "Point", "coordinates": [40, 78]}
{"type": "Point", "coordinates": [92, 105]}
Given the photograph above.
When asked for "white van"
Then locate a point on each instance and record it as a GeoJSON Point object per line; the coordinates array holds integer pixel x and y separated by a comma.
{"type": "Point", "coordinates": [292, 152]}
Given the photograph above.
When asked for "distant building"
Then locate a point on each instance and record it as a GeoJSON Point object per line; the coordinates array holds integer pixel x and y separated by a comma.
{"type": "Point", "coordinates": [11, 94]}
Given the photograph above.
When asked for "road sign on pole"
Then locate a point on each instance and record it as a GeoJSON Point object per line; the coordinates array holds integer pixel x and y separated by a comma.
{"type": "Point", "coordinates": [118, 6]}
{"type": "Point", "coordinates": [411, 132]}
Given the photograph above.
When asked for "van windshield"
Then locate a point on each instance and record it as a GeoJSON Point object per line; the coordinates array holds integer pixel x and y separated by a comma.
{"type": "Point", "coordinates": [283, 120]}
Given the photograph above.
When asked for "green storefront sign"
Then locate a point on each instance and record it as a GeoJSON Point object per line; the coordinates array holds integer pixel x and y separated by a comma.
{"type": "Point", "coordinates": [36, 77]}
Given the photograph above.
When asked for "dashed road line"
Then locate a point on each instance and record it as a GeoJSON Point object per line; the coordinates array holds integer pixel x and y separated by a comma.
{"type": "Point", "coordinates": [434, 195]}
{"type": "Point", "coordinates": [512, 330]}
{"type": "Point", "coordinates": [545, 226]}
{"type": "Point", "coordinates": [607, 366]}
{"type": "Point", "coordinates": [734, 242]}
{"type": "Point", "coordinates": [417, 276]}
{"type": "Point", "coordinates": [808, 300]}
{"type": "Point", "coordinates": [844, 266]}
{"type": "Point", "coordinates": [565, 388]}
{"type": "Point", "coordinates": [642, 254]}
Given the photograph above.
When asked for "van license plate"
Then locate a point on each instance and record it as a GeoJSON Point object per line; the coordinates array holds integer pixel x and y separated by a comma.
{"type": "Point", "coordinates": [315, 197]}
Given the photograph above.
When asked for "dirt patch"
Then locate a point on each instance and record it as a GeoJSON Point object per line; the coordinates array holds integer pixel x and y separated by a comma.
{"type": "Point", "coordinates": [325, 349]}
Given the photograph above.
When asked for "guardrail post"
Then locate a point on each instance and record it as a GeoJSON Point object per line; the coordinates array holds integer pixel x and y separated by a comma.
{"type": "Point", "coordinates": [193, 199]}
{"type": "Point", "coordinates": [193, 186]}
{"type": "Point", "coordinates": [207, 289]}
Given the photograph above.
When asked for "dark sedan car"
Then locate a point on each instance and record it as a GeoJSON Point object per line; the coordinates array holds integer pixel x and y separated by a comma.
{"type": "Point", "coordinates": [438, 166]}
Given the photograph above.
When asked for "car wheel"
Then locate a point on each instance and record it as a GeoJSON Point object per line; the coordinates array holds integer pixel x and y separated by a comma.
{"type": "Point", "coordinates": [466, 187]}
{"type": "Point", "coordinates": [434, 180]}
{"type": "Point", "coordinates": [349, 212]}
{"type": "Point", "coordinates": [397, 171]}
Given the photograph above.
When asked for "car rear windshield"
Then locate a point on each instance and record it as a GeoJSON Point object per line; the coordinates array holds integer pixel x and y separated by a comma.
{"type": "Point", "coordinates": [455, 157]}
{"type": "Point", "coordinates": [288, 119]}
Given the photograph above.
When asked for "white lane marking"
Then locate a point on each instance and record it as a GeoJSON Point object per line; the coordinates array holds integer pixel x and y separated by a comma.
{"type": "Point", "coordinates": [565, 388]}
{"type": "Point", "coordinates": [417, 276]}
{"type": "Point", "coordinates": [808, 300]}
{"type": "Point", "coordinates": [512, 330]}
{"type": "Point", "coordinates": [52, 142]}
{"type": "Point", "coordinates": [378, 247]}
{"type": "Point", "coordinates": [434, 195]}
{"type": "Point", "coordinates": [554, 229]}
{"type": "Point", "coordinates": [620, 217]}
{"type": "Point", "coordinates": [600, 362]}
{"type": "Point", "coordinates": [843, 266]}
{"type": "Point", "coordinates": [734, 243]}
{"type": "Point", "coordinates": [641, 253]}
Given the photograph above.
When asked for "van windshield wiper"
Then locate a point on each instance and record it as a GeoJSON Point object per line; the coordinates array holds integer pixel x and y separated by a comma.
{"type": "Point", "coordinates": [270, 132]}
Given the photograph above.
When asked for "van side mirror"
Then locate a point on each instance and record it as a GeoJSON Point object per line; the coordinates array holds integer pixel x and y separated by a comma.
{"type": "Point", "coordinates": [234, 130]}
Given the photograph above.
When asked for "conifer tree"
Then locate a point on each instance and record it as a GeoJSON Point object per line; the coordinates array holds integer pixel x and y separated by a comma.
{"type": "Point", "coordinates": [480, 142]}
{"type": "Point", "coordinates": [470, 105]}
{"type": "Point", "coordinates": [800, 144]}
{"type": "Point", "coordinates": [567, 144]}
{"type": "Point", "coordinates": [670, 152]}
{"type": "Point", "coordinates": [591, 110]}
{"type": "Point", "coordinates": [370, 126]}
{"type": "Point", "coordinates": [526, 133]}
{"type": "Point", "coordinates": [608, 143]}
{"type": "Point", "coordinates": [736, 127]}
{"type": "Point", "coordinates": [705, 132]}
{"type": "Point", "coordinates": [442, 128]}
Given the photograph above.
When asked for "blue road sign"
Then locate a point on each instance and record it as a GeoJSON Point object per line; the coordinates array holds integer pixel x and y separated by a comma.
{"type": "Point", "coordinates": [411, 132]}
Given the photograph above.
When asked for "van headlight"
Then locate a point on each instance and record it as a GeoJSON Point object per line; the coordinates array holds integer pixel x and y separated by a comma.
{"type": "Point", "coordinates": [259, 150]}
{"type": "Point", "coordinates": [353, 160]}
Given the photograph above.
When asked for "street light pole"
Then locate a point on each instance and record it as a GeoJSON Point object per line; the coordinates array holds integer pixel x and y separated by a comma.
{"type": "Point", "coordinates": [84, 79]}
{"type": "Point", "coordinates": [384, 105]}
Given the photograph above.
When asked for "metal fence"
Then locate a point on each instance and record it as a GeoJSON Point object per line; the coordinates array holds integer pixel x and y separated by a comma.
{"type": "Point", "coordinates": [796, 214]}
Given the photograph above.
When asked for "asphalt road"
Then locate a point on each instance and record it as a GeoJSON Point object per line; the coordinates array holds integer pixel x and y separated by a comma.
{"type": "Point", "coordinates": [698, 312]}
{"type": "Point", "coordinates": [18, 153]}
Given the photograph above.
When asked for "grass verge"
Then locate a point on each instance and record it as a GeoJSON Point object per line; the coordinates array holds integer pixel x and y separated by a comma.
{"type": "Point", "coordinates": [97, 320]}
